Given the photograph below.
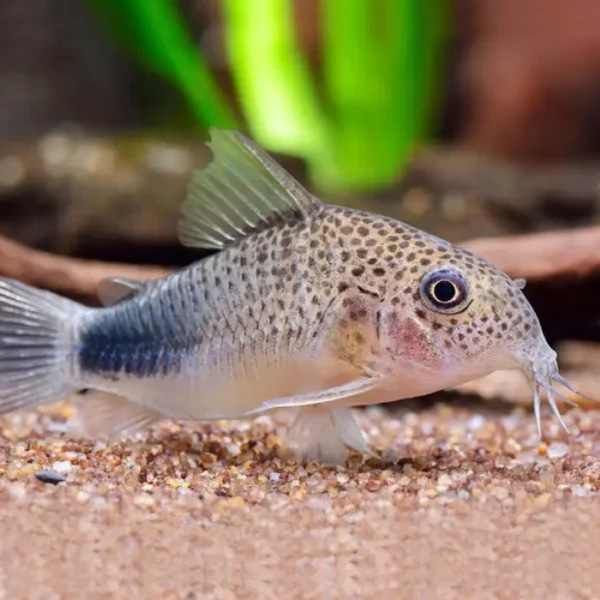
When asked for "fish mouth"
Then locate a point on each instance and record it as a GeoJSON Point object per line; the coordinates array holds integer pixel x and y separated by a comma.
{"type": "Point", "coordinates": [544, 379]}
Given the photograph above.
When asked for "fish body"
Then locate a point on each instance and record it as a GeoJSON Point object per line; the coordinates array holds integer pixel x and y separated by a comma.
{"type": "Point", "coordinates": [273, 316]}
{"type": "Point", "coordinates": [305, 305]}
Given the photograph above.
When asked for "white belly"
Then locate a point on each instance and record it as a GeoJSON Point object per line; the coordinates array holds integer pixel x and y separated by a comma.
{"type": "Point", "coordinates": [223, 392]}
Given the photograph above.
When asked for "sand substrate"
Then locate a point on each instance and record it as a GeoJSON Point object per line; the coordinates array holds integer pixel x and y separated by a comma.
{"type": "Point", "coordinates": [474, 508]}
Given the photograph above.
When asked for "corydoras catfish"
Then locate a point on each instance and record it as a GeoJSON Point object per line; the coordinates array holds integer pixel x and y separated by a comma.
{"type": "Point", "coordinates": [306, 306]}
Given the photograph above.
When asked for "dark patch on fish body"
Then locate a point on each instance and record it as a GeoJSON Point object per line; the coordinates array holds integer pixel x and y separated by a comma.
{"type": "Point", "coordinates": [141, 337]}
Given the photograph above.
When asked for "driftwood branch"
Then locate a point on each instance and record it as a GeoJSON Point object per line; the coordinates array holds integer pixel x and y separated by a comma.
{"type": "Point", "coordinates": [541, 256]}
{"type": "Point", "coordinates": [572, 186]}
{"type": "Point", "coordinates": [68, 276]}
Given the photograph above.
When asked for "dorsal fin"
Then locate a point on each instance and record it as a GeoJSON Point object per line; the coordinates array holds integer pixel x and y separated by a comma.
{"type": "Point", "coordinates": [241, 191]}
{"type": "Point", "coordinates": [114, 289]}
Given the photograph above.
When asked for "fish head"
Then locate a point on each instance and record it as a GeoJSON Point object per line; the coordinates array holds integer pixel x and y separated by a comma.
{"type": "Point", "coordinates": [454, 317]}
{"type": "Point", "coordinates": [451, 317]}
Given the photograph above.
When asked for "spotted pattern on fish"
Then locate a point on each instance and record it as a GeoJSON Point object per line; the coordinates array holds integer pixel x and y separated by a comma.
{"type": "Point", "coordinates": [273, 289]}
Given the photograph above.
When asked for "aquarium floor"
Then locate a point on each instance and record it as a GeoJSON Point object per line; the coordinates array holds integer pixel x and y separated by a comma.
{"type": "Point", "coordinates": [473, 507]}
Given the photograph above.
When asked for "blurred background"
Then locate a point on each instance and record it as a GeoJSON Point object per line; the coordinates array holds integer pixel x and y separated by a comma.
{"type": "Point", "coordinates": [468, 118]}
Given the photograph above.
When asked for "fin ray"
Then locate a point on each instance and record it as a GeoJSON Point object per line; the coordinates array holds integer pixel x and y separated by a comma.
{"type": "Point", "coordinates": [352, 388]}
{"type": "Point", "coordinates": [241, 191]}
{"type": "Point", "coordinates": [325, 435]}
{"type": "Point", "coordinates": [313, 436]}
{"type": "Point", "coordinates": [350, 431]}
{"type": "Point", "coordinates": [37, 341]}
{"type": "Point", "coordinates": [114, 289]}
{"type": "Point", "coordinates": [103, 414]}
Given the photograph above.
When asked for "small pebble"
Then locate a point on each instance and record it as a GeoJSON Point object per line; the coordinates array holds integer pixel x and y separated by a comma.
{"type": "Point", "coordinates": [17, 491]}
{"type": "Point", "coordinates": [476, 422]}
{"type": "Point", "coordinates": [373, 485]}
{"type": "Point", "coordinates": [62, 466]}
{"type": "Point", "coordinates": [233, 449]}
{"type": "Point", "coordinates": [500, 493]}
{"type": "Point", "coordinates": [445, 480]}
{"type": "Point", "coordinates": [144, 500]}
{"type": "Point", "coordinates": [558, 450]}
{"type": "Point", "coordinates": [579, 491]}
{"type": "Point", "coordinates": [52, 477]}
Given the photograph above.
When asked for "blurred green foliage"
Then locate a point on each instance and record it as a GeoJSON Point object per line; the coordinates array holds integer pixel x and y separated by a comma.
{"type": "Point", "coordinates": [382, 68]}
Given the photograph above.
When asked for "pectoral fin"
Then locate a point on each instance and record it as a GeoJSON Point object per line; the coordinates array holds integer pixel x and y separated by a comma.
{"type": "Point", "coordinates": [355, 387]}
{"type": "Point", "coordinates": [114, 289]}
{"type": "Point", "coordinates": [105, 415]}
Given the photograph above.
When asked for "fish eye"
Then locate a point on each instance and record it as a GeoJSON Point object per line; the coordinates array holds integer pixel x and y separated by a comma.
{"type": "Point", "coordinates": [444, 290]}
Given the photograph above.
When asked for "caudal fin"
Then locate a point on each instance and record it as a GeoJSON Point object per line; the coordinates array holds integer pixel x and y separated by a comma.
{"type": "Point", "coordinates": [37, 342]}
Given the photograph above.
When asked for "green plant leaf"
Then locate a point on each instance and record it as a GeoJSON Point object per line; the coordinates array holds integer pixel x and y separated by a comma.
{"type": "Point", "coordinates": [379, 71]}
{"type": "Point", "coordinates": [273, 80]}
{"type": "Point", "coordinates": [155, 33]}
